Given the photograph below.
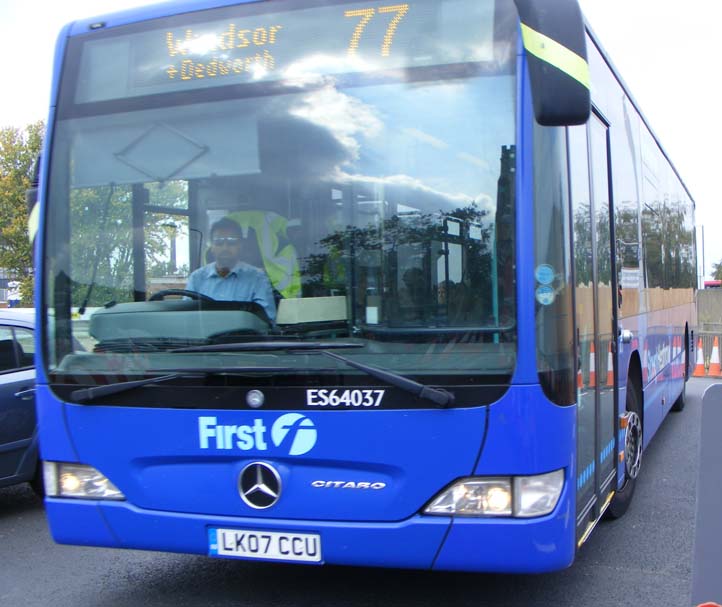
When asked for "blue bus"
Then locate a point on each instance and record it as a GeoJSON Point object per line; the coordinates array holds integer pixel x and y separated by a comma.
{"type": "Point", "coordinates": [467, 271]}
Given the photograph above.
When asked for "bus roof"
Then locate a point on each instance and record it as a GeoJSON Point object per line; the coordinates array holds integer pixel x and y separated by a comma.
{"type": "Point", "coordinates": [595, 39]}
{"type": "Point", "coordinates": [150, 11]}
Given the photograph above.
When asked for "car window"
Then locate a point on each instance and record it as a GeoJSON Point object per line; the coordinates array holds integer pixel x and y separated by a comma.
{"type": "Point", "coordinates": [8, 360]}
{"type": "Point", "coordinates": [25, 342]}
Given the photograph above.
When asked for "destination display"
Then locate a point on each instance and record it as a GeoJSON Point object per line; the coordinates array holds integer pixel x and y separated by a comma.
{"type": "Point", "coordinates": [296, 45]}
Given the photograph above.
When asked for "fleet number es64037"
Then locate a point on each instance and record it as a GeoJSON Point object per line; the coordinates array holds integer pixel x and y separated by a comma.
{"type": "Point", "coordinates": [321, 397]}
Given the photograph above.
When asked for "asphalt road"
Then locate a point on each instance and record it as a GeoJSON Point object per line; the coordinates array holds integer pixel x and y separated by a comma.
{"type": "Point", "coordinates": [645, 558]}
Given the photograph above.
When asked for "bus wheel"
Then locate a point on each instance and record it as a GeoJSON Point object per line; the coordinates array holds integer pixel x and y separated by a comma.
{"type": "Point", "coordinates": [632, 452]}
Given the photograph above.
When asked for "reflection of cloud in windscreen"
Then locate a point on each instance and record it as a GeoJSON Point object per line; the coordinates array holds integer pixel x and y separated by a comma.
{"type": "Point", "coordinates": [405, 181]}
{"type": "Point", "coordinates": [426, 138]}
{"type": "Point", "coordinates": [439, 144]}
{"type": "Point", "coordinates": [418, 195]}
{"type": "Point", "coordinates": [345, 117]}
{"type": "Point", "coordinates": [314, 70]}
{"type": "Point", "coordinates": [316, 134]}
{"type": "Point", "coordinates": [475, 160]}
{"type": "Point", "coordinates": [313, 135]}
{"type": "Point", "coordinates": [293, 148]}
{"type": "Point", "coordinates": [453, 52]}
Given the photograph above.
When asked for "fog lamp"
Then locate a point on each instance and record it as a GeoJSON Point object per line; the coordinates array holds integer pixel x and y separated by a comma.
{"type": "Point", "coordinates": [537, 495]}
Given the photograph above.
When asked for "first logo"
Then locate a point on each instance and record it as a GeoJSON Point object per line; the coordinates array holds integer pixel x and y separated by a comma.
{"type": "Point", "coordinates": [294, 433]}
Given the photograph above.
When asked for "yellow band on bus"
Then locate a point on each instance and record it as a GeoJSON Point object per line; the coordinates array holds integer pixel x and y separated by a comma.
{"type": "Point", "coordinates": [555, 54]}
{"type": "Point", "coordinates": [34, 222]}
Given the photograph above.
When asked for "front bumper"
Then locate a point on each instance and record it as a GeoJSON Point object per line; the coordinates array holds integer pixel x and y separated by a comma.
{"type": "Point", "coordinates": [420, 542]}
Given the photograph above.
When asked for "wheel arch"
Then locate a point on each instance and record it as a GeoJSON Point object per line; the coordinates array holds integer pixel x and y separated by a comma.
{"type": "Point", "coordinates": [687, 357]}
{"type": "Point", "coordinates": [623, 495]}
{"type": "Point", "coordinates": [634, 378]}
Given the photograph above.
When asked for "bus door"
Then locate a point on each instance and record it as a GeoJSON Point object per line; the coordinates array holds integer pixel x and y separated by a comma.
{"type": "Point", "coordinates": [595, 320]}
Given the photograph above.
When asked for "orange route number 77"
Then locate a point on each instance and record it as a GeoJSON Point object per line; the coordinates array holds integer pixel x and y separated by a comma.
{"type": "Point", "coordinates": [365, 15]}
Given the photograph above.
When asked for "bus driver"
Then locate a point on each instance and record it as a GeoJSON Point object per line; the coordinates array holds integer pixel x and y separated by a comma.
{"type": "Point", "coordinates": [228, 278]}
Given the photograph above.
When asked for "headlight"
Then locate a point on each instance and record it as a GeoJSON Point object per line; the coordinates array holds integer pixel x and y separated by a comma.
{"type": "Point", "coordinates": [78, 480]}
{"type": "Point", "coordinates": [518, 496]}
{"type": "Point", "coordinates": [474, 497]}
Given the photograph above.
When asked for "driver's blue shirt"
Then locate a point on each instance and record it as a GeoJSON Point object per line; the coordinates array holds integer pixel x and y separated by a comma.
{"type": "Point", "coordinates": [242, 283]}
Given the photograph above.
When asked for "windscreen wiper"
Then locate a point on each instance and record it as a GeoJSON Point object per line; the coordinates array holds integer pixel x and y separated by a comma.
{"type": "Point", "coordinates": [260, 346]}
{"type": "Point", "coordinates": [84, 395]}
{"type": "Point", "coordinates": [436, 395]}
{"type": "Point", "coordinates": [88, 394]}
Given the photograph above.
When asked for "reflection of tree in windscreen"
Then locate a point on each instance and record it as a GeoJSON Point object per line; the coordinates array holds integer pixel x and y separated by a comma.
{"type": "Point", "coordinates": [102, 240]}
{"type": "Point", "coordinates": [169, 195]}
{"type": "Point", "coordinates": [668, 249]}
{"type": "Point", "coordinates": [668, 245]}
{"type": "Point", "coordinates": [469, 299]}
{"type": "Point", "coordinates": [627, 234]}
{"type": "Point", "coordinates": [604, 261]}
{"type": "Point", "coordinates": [582, 244]}
{"type": "Point", "coordinates": [583, 259]}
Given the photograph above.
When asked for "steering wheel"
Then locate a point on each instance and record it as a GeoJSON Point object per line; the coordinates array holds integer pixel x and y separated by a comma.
{"type": "Point", "coordinates": [183, 292]}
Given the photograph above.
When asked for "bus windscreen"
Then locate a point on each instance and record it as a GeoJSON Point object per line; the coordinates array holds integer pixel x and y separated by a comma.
{"type": "Point", "coordinates": [369, 179]}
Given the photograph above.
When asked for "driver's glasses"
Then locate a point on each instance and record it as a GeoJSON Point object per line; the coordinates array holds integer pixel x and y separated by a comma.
{"type": "Point", "coordinates": [226, 240]}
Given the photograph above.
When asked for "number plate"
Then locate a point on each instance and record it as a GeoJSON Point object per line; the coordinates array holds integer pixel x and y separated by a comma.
{"type": "Point", "coordinates": [268, 545]}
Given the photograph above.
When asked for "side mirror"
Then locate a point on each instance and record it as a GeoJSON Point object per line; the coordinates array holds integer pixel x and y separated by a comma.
{"type": "Point", "coordinates": [554, 38]}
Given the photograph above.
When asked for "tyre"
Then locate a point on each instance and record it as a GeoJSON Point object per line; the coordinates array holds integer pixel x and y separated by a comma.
{"type": "Point", "coordinates": [37, 482]}
{"type": "Point", "coordinates": [632, 451]}
{"type": "Point", "coordinates": [681, 399]}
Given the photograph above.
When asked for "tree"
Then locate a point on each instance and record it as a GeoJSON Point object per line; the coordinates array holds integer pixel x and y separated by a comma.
{"type": "Point", "coordinates": [101, 241]}
{"type": "Point", "coordinates": [19, 149]}
{"type": "Point", "coordinates": [717, 271]}
{"type": "Point", "coordinates": [668, 245]}
{"type": "Point", "coordinates": [96, 248]}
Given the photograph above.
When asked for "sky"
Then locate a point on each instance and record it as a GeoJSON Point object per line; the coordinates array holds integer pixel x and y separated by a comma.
{"type": "Point", "coordinates": [665, 51]}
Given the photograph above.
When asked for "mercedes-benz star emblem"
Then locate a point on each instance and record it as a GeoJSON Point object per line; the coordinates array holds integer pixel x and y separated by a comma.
{"type": "Point", "coordinates": [259, 485]}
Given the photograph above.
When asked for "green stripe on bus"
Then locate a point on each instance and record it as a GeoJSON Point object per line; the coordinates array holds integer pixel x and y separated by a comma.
{"type": "Point", "coordinates": [555, 54]}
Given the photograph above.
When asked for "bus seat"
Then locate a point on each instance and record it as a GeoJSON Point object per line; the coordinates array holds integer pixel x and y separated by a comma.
{"type": "Point", "coordinates": [277, 255]}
